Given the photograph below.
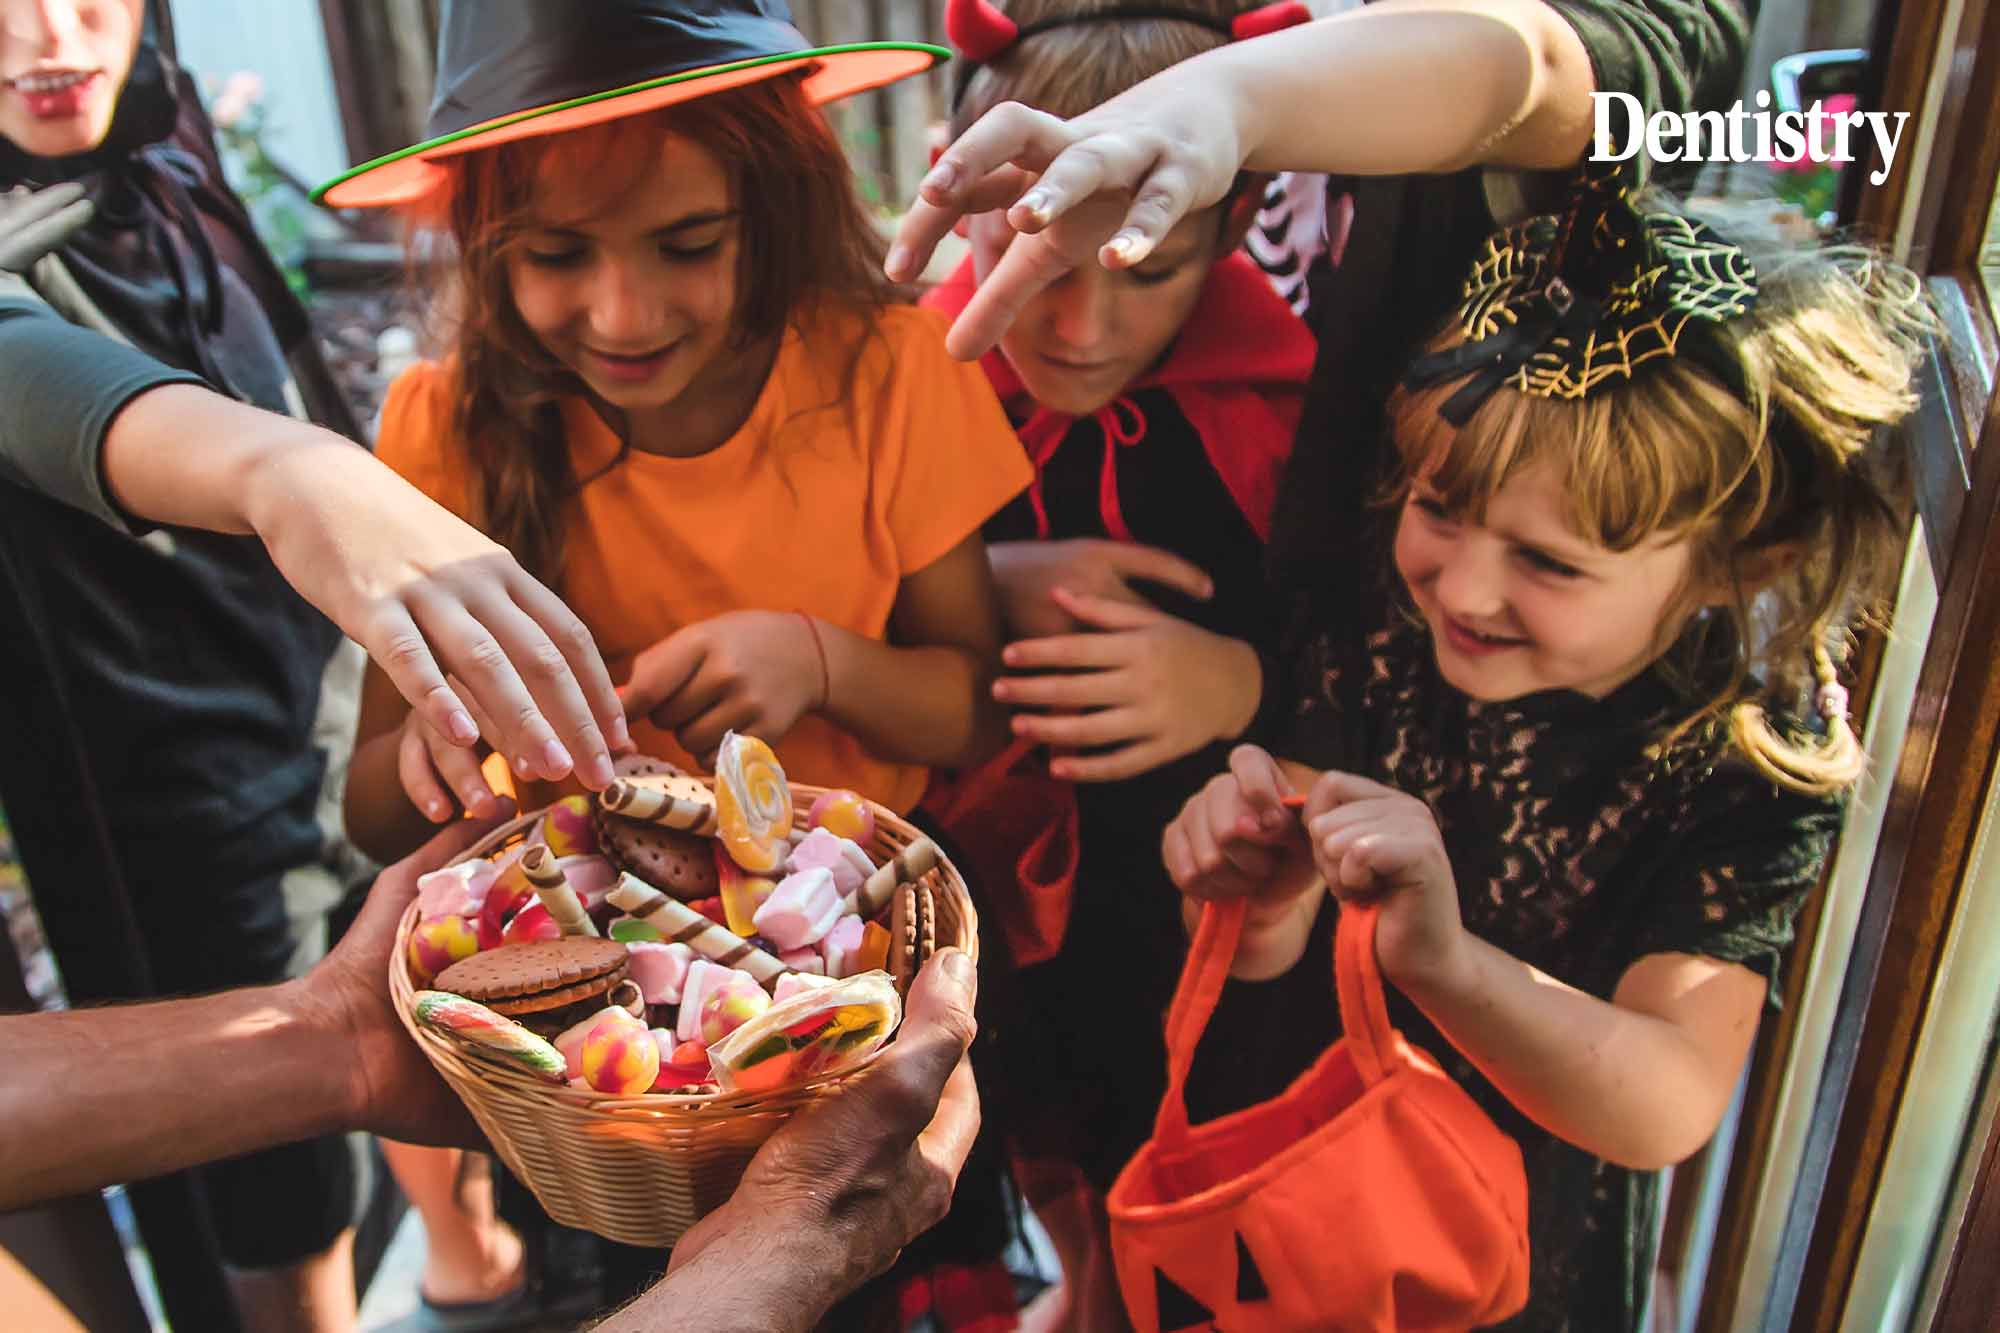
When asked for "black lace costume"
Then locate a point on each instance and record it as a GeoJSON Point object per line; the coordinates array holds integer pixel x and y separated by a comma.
{"type": "Point", "coordinates": [1576, 848]}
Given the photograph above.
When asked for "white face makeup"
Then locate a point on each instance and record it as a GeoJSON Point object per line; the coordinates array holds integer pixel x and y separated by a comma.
{"type": "Point", "coordinates": [1518, 602]}
{"type": "Point", "coordinates": [62, 66]}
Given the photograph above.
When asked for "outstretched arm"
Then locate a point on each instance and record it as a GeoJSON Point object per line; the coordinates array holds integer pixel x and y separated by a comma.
{"type": "Point", "coordinates": [1361, 93]}
{"type": "Point", "coordinates": [94, 1097]}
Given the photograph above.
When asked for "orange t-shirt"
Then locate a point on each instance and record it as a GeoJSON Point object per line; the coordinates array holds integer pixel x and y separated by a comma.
{"type": "Point", "coordinates": [832, 492]}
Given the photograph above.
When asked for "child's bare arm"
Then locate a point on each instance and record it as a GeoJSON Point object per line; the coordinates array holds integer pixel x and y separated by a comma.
{"type": "Point", "coordinates": [1641, 1080]}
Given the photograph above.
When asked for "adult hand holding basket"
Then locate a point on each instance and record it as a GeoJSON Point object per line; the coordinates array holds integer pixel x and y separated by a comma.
{"type": "Point", "coordinates": [640, 1169]}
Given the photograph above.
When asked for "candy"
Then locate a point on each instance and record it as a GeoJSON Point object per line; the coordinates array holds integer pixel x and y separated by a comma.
{"type": "Point", "coordinates": [569, 1042]}
{"type": "Point", "coordinates": [712, 908]}
{"type": "Point", "coordinates": [436, 945]}
{"type": "Point", "coordinates": [874, 951]}
{"type": "Point", "coordinates": [844, 814]}
{"type": "Point", "coordinates": [753, 803]}
{"type": "Point", "coordinates": [809, 959]}
{"type": "Point", "coordinates": [619, 1054]}
{"type": "Point", "coordinates": [659, 969]}
{"type": "Point", "coordinates": [912, 863]}
{"type": "Point", "coordinates": [798, 981]}
{"type": "Point", "coordinates": [801, 910]}
{"type": "Point", "coordinates": [668, 1077]}
{"type": "Point", "coordinates": [631, 930]}
{"type": "Point", "coordinates": [678, 921]}
{"type": "Point", "coordinates": [532, 922]}
{"type": "Point", "coordinates": [840, 946]}
{"type": "Point", "coordinates": [809, 1034]}
{"type": "Point", "coordinates": [591, 877]}
{"type": "Point", "coordinates": [702, 976]}
{"type": "Point", "coordinates": [729, 1004]}
{"type": "Point", "coordinates": [742, 893]}
{"type": "Point", "coordinates": [567, 827]}
{"type": "Point", "coordinates": [508, 894]}
{"type": "Point", "coordinates": [674, 802]}
{"type": "Point", "coordinates": [552, 887]}
{"type": "Point", "coordinates": [458, 890]}
{"type": "Point", "coordinates": [843, 859]}
{"type": "Point", "coordinates": [691, 1059]}
{"type": "Point", "coordinates": [486, 1032]}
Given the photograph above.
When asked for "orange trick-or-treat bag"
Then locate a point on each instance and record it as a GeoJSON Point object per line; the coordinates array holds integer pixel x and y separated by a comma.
{"type": "Point", "coordinates": [1373, 1194]}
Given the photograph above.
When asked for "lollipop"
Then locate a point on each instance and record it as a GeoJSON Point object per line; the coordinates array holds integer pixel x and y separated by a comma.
{"type": "Point", "coordinates": [486, 1032]}
{"type": "Point", "coordinates": [753, 804]}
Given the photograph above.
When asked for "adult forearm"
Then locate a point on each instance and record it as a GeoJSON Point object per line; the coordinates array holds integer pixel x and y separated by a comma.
{"type": "Point", "coordinates": [926, 704]}
{"type": "Point", "coordinates": [1626, 1086]}
{"type": "Point", "coordinates": [759, 1276]}
{"type": "Point", "coordinates": [1407, 86]}
{"type": "Point", "coordinates": [99, 1096]}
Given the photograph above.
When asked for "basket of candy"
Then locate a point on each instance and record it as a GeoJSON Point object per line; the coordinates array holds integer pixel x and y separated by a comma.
{"type": "Point", "coordinates": [632, 992]}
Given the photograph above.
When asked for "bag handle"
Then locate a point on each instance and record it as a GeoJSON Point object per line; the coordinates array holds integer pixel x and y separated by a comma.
{"type": "Point", "coordinates": [1364, 1010]}
{"type": "Point", "coordinates": [983, 781]}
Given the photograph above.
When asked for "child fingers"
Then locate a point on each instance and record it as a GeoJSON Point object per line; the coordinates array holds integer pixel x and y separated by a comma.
{"type": "Point", "coordinates": [1066, 651]}
{"type": "Point", "coordinates": [1162, 201]}
{"type": "Point", "coordinates": [393, 641]}
{"type": "Point", "coordinates": [1030, 265]}
{"type": "Point", "coordinates": [1156, 564]}
{"type": "Point", "coordinates": [927, 222]}
{"type": "Point", "coordinates": [586, 664]}
{"type": "Point", "coordinates": [1335, 788]}
{"type": "Point", "coordinates": [1088, 689]}
{"type": "Point", "coordinates": [1110, 613]}
{"type": "Point", "coordinates": [702, 735]}
{"type": "Point", "coordinates": [419, 778]}
{"type": "Point", "coordinates": [480, 648]}
{"type": "Point", "coordinates": [660, 673]}
{"type": "Point", "coordinates": [1106, 726]}
{"type": "Point", "coordinates": [460, 769]}
{"type": "Point", "coordinates": [1263, 786]}
{"type": "Point", "coordinates": [1125, 762]}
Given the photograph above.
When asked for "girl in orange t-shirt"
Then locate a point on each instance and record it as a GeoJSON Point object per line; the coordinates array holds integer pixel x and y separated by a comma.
{"type": "Point", "coordinates": [679, 395]}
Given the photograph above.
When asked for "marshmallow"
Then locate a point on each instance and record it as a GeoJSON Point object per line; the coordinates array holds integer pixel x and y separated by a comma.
{"type": "Point", "coordinates": [791, 985]}
{"type": "Point", "coordinates": [801, 910]}
{"type": "Point", "coordinates": [458, 890]}
{"type": "Point", "coordinates": [660, 969]}
{"type": "Point", "coordinates": [807, 959]}
{"type": "Point", "coordinates": [842, 857]}
{"type": "Point", "coordinates": [841, 945]}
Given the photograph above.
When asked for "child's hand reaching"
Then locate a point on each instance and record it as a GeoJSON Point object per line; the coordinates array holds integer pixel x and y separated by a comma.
{"type": "Point", "coordinates": [1027, 573]}
{"type": "Point", "coordinates": [752, 671]}
{"type": "Point", "coordinates": [1372, 843]}
{"type": "Point", "coordinates": [434, 769]}
{"type": "Point", "coordinates": [1153, 685]}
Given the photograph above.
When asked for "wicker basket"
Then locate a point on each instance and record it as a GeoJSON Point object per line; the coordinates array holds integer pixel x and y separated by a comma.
{"type": "Point", "coordinates": [640, 1170]}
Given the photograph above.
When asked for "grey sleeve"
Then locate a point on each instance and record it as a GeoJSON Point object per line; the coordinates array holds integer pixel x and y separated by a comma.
{"type": "Point", "coordinates": [60, 388]}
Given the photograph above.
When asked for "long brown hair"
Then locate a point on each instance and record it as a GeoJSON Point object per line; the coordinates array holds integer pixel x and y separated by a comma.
{"type": "Point", "coordinates": [1779, 488]}
{"type": "Point", "coordinates": [806, 250]}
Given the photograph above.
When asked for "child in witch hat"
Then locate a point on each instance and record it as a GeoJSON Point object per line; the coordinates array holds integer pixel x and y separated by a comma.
{"type": "Point", "coordinates": [1158, 405]}
{"type": "Point", "coordinates": [676, 388]}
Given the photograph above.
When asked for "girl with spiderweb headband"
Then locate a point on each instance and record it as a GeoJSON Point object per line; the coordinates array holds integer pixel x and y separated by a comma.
{"type": "Point", "coordinates": [1587, 747]}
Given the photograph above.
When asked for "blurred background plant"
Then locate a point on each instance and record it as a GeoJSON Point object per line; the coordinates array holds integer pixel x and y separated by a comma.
{"type": "Point", "coordinates": [276, 197]}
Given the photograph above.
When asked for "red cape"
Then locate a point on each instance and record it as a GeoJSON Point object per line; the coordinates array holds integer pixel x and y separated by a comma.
{"type": "Point", "coordinates": [1237, 370]}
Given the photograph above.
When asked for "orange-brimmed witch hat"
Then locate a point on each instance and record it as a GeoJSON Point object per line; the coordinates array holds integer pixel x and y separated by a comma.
{"type": "Point", "coordinates": [510, 69]}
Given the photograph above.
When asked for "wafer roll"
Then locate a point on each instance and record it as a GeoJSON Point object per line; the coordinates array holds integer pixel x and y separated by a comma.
{"type": "Point", "coordinates": [552, 887]}
{"type": "Point", "coordinates": [907, 866]}
{"type": "Point", "coordinates": [655, 802]}
{"type": "Point", "coordinates": [679, 922]}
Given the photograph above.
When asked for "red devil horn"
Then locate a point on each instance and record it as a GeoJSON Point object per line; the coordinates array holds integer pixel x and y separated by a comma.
{"type": "Point", "coordinates": [1269, 18]}
{"type": "Point", "coordinates": [978, 30]}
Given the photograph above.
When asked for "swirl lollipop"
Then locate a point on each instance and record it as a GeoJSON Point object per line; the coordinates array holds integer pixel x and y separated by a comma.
{"type": "Point", "coordinates": [753, 804]}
